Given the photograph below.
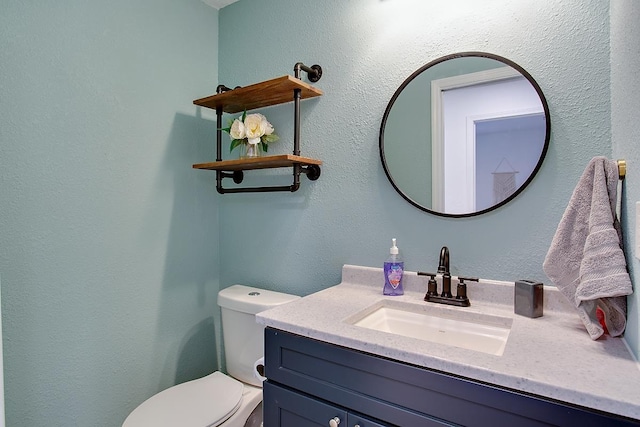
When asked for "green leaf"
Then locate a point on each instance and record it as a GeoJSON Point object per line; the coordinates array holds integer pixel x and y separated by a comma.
{"type": "Point", "coordinates": [228, 128]}
{"type": "Point", "coordinates": [264, 146]}
{"type": "Point", "coordinates": [270, 138]}
{"type": "Point", "coordinates": [235, 143]}
{"type": "Point", "coordinates": [244, 115]}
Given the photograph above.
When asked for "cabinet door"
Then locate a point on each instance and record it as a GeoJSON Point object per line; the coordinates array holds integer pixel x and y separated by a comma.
{"type": "Point", "coordinates": [285, 408]}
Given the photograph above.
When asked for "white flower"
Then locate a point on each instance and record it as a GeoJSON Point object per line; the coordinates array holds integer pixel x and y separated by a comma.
{"type": "Point", "coordinates": [251, 129]}
{"type": "Point", "coordinates": [255, 127]}
{"type": "Point", "coordinates": [267, 125]}
{"type": "Point", "coordinates": [237, 130]}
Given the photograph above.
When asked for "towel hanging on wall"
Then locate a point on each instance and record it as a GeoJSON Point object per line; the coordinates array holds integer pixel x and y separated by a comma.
{"type": "Point", "coordinates": [585, 260]}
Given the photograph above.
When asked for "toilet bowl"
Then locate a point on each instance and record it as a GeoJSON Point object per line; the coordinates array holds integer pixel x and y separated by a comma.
{"type": "Point", "coordinates": [219, 399]}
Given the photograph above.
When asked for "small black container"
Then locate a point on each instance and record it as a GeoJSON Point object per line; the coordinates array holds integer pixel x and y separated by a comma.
{"type": "Point", "coordinates": [528, 298]}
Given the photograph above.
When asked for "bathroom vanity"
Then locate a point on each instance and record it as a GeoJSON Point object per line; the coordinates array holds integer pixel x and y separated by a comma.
{"type": "Point", "coordinates": [328, 363]}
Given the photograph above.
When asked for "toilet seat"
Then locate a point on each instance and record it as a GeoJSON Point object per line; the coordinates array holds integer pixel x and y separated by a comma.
{"type": "Point", "coordinates": [205, 402]}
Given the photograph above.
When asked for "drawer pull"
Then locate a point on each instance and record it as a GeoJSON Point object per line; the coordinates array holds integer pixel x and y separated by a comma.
{"type": "Point", "coordinates": [333, 422]}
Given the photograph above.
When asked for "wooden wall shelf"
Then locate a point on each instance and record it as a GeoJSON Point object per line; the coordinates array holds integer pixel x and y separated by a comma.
{"type": "Point", "coordinates": [271, 92]}
{"type": "Point", "coordinates": [276, 91]}
{"type": "Point", "coordinates": [266, 162]}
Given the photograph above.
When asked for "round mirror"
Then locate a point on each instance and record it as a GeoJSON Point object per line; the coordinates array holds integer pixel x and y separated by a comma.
{"type": "Point", "coordinates": [464, 134]}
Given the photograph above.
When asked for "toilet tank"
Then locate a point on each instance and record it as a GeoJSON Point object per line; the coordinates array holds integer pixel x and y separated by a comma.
{"type": "Point", "coordinates": [244, 338]}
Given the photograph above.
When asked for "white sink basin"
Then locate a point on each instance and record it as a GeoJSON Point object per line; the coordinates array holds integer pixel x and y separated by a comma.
{"type": "Point", "coordinates": [440, 324]}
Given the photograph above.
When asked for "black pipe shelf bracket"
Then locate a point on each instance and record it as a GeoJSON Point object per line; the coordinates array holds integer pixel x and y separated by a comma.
{"type": "Point", "coordinates": [271, 92]}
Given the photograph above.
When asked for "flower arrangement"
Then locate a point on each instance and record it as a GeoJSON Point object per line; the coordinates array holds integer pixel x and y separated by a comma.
{"type": "Point", "coordinates": [251, 129]}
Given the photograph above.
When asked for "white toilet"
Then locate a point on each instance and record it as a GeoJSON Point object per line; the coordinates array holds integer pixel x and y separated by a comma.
{"type": "Point", "coordinates": [219, 399]}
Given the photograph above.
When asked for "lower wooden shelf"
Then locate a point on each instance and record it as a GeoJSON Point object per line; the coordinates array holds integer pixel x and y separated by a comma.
{"type": "Point", "coordinates": [265, 162]}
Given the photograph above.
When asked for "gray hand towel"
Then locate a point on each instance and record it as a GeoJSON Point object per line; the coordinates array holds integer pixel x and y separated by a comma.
{"type": "Point", "coordinates": [585, 260]}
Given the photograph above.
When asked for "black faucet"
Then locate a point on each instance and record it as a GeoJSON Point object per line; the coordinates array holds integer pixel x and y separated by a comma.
{"type": "Point", "coordinates": [443, 268]}
{"type": "Point", "coordinates": [461, 299]}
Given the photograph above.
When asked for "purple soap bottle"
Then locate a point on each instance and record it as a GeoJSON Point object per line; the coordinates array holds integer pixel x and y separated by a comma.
{"type": "Point", "coordinates": [393, 270]}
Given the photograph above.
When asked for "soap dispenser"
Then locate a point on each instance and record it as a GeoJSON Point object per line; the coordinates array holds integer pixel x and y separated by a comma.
{"type": "Point", "coordinates": [393, 270]}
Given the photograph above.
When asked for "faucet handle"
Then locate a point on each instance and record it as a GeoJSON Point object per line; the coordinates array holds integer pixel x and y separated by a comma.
{"type": "Point", "coordinates": [432, 286]}
{"type": "Point", "coordinates": [461, 291]}
{"type": "Point", "coordinates": [424, 273]}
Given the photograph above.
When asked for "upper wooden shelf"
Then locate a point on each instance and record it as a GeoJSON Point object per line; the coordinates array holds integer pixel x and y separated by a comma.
{"type": "Point", "coordinates": [265, 162]}
{"type": "Point", "coordinates": [271, 92]}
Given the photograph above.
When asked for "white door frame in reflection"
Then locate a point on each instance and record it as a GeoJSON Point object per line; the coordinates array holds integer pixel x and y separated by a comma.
{"type": "Point", "coordinates": [501, 92]}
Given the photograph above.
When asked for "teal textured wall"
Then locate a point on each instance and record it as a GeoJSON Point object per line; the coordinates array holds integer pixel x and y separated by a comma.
{"type": "Point", "coordinates": [109, 239]}
{"type": "Point", "coordinates": [298, 242]}
{"type": "Point", "coordinates": [625, 104]}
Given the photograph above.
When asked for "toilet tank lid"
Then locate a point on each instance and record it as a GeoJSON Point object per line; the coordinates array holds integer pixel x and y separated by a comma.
{"type": "Point", "coordinates": [247, 299]}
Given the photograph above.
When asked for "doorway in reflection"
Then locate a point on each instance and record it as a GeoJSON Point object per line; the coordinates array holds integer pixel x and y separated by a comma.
{"type": "Point", "coordinates": [506, 154]}
{"type": "Point", "coordinates": [477, 171]}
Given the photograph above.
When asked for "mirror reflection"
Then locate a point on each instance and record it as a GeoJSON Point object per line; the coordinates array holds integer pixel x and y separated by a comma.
{"type": "Point", "coordinates": [464, 134]}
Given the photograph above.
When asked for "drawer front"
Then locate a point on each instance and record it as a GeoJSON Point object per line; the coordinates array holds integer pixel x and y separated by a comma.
{"type": "Point", "coordinates": [359, 421]}
{"type": "Point", "coordinates": [403, 394]}
{"type": "Point", "coordinates": [284, 408]}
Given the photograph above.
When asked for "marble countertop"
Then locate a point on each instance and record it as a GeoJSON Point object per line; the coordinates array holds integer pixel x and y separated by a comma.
{"type": "Point", "coordinates": [550, 356]}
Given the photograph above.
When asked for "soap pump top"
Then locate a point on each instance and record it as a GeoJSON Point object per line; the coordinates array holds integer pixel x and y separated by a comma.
{"type": "Point", "coordinates": [394, 248]}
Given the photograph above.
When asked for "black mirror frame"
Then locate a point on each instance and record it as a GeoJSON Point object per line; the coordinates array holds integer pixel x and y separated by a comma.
{"type": "Point", "coordinates": [506, 61]}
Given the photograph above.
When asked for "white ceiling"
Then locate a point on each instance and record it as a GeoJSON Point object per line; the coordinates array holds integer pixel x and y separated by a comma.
{"type": "Point", "coordinates": [219, 4]}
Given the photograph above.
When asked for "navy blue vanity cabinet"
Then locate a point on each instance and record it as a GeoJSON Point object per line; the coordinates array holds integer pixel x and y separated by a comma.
{"type": "Point", "coordinates": [311, 382]}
